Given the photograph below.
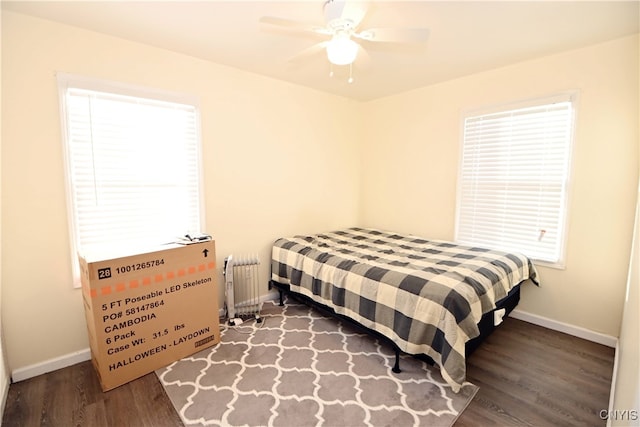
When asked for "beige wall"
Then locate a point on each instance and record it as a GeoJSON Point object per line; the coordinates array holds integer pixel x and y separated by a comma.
{"type": "Point", "coordinates": [4, 369]}
{"type": "Point", "coordinates": [278, 159]}
{"type": "Point", "coordinates": [411, 162]}
{"type": "Point", "coordinates": [627, 382]}
{"type": "Point", "coordinates": [626, 395]}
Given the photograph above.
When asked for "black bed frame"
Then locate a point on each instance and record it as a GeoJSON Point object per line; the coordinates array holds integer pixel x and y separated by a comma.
{"type": "Point", "coordinates": [486, 324]}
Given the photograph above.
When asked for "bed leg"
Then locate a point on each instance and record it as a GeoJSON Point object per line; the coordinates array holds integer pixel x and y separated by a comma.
{"type": "Point", "coordinates": [281, 300]}
{"type": "Point", "coordinates": [396, 368]}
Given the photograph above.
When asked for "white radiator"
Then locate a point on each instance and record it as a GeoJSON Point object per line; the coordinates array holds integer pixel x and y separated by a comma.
{"type": "Point", "coordinates": [242, 290]}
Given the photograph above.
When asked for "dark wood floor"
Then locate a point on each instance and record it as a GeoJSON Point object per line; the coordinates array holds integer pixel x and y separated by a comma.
{"type": "Point", "coordinates": [528, 376]}
{"type": "Point", "coordinates": [533, 376]}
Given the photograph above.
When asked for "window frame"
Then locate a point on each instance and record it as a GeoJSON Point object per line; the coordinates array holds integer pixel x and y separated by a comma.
{"type": "Point", "coordinates": [66, 81]}
{"type": "Point", "coordinates": [572, 96]}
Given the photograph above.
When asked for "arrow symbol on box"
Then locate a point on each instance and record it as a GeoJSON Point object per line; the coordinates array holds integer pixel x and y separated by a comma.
{"type": "Point", "coordinates": [205, 252]}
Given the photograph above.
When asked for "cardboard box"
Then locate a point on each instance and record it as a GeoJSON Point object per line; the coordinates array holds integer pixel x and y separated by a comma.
{"type": "Point", "coordinates": [148, 310]}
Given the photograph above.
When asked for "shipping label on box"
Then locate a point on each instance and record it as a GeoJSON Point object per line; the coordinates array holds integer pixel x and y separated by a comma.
{"type": "Point", "coordinates": [146, 311]}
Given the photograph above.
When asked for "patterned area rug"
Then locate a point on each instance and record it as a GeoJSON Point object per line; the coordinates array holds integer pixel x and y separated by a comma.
{"type": "Point", "coordinates": [301, 368]}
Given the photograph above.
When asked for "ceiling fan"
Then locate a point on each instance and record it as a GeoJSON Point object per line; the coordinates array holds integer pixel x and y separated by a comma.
{"type": "Point", "coordinates": [341, 21]}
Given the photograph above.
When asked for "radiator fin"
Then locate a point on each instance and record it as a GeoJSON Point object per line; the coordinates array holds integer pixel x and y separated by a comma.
{"type": "Point", "coordinates": [242, 288]}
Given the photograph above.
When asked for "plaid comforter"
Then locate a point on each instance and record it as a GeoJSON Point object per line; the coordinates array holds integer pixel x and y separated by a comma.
{"type": "Point", "coordinates": [426, 296]}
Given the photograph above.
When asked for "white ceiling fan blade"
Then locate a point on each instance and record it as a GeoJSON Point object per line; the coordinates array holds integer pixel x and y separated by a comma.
{"type": "Point", "coordinates": [294, 25]}
{"type": "Point", "coordinates": [394, 35]}
{"type": "Point", "coordinates": [308, 52]}
{"type": "Point", "coordinates": [344, 10]}
{"type": "Point", "coordinates": [355, 11]}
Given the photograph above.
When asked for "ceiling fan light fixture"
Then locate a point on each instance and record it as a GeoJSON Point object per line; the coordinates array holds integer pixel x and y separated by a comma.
{"type": "Point", "coordinates": [341, 50]}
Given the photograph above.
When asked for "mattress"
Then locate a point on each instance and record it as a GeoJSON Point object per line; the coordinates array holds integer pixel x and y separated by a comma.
{"type": "Point", "coordinates": [427, 296]}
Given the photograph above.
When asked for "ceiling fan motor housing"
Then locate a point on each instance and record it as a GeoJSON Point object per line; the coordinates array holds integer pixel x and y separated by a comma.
{"type": "Point", "coordinates": [342, 17]}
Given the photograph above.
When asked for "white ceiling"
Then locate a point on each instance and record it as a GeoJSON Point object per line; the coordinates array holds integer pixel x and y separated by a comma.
{"type": "Point", "coordinates": [465, 37]}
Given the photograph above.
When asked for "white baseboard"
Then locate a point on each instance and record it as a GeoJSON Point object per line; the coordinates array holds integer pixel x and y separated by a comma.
{"type": "Point", "coordinates": [555, 325]}
{"type": "Point", "coordinates": [614, 379]}
{"type": "Point", "coordinates": [70, 359]}
{"type": "Point", "coordinates": [3, 398]}
{"type": "Point", "coordinates": [50, 365]}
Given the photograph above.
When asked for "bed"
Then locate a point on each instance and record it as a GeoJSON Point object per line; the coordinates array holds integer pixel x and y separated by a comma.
{"type": "Point", "coordinates": [426, 297]}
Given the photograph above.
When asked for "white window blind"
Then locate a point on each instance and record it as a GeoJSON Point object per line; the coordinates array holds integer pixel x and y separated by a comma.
{"type": "Point", "coordinates": [133, 168]}
{"type": "Point", "coordinates": [513, 179]}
